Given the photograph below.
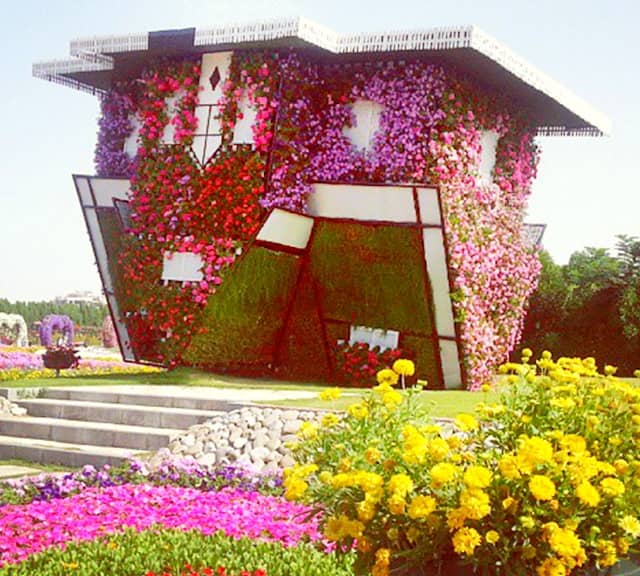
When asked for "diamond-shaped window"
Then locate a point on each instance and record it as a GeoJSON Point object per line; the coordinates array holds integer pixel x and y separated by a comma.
{"type": "Point", "coordinates": [214, 79]}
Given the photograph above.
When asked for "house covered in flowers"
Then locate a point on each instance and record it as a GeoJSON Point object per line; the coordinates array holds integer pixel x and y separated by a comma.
{"type": "Point", "coordinates": [279, 198]}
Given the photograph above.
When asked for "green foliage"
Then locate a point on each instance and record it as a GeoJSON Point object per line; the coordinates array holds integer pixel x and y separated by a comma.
{"type": "Point", "coordinates": [82, 314]}
{"type": "Point", "coordinates": [243, 319]}
{"type": "Point", "coordinates": [590, 306]}
{"type": "Point", "coordinates": [136, 553]}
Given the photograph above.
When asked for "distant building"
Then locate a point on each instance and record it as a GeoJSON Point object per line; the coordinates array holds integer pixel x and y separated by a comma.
{"type": "Point", "coordinates": [85, 297]}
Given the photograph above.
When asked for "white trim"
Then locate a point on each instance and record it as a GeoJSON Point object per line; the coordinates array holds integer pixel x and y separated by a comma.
{"type": "Point", "coordinates": [84, 185]}
{"type": "Point", "coordinates": [286, 229]}
{"type": "Point", "coordinates": [450, 359]}
{"type": "Point", "coordinates": [93, 54]}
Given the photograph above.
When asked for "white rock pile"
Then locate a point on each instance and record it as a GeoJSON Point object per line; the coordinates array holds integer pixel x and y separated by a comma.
{"type": "Point", "coordinates": [9, 408]}
{"type": "Point", "coordinates": [252, 437]}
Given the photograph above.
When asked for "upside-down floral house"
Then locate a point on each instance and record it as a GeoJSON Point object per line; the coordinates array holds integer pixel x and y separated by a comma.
{"type": "Point", "coordinates": [269, 195]}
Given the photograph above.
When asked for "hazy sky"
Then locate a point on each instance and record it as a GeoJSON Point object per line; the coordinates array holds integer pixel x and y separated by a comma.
{"type": "Point", "coordinates": [587, 190]}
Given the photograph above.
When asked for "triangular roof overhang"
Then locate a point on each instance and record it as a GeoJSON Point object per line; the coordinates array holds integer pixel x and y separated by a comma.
{"type": "Point", "coordinates": [97, 62]}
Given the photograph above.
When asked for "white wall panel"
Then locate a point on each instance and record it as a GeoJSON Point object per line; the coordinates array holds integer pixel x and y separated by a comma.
{"type": "Point", "coordinates": [221, 60]}
{"type": "Point", "coordinates": [107, 189]}
{"type": "Point", "coordinates": [242, 131]}
{"type": "Point", "coordinates": [450, 364]}
{"type": "Point", "coordinates": [429, 206]}
{"type": "Point", "coordinates": [131, 142]}
{"type": "Point", "coordinates": [439, 279]}
{"type": "Point", "coordinates": [367, 121]}
{"type": "Point", "coordinates": [377, 203]}
{"type": "Point", "coordinates": [182, 267]}
{"type": "Point", "coordinates": [82, 185]}
{"type": "Point", "coordinates": [385, 339]}
{"type": "Point", "coordinates": [286, 228]}
{"type": "Point", "coordinates": [121, 329]}
{"type": "Point", "coordinates": [489, 143]}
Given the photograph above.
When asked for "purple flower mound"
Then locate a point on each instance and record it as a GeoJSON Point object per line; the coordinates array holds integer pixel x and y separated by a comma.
{"type": "Point", "coordinates": [20, 360]}
{"type": "Point", "coordinates": [51, 323]}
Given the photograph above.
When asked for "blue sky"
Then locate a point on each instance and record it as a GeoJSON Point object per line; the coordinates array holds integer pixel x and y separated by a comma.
{"type": "Point", "coordinates": [587, 190]}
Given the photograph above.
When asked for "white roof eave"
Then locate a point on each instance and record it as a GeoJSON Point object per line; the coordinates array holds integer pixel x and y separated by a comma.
{"type": "Point", "coordinates": [93, 55]}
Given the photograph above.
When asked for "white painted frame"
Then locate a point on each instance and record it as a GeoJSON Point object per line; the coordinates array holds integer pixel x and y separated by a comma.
{"type": "Point", "coordinates": [94, 193]}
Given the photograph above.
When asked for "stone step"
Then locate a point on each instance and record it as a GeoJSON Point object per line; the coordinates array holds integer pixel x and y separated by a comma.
{"type": "Point", "coordinates": [92, 433]}
{"type": "Point", "coordinates": [149, 398]}
{"type": "Point", "coordinates": [63, 453]}
{"type": "Point", "coordinates": [148, 416]}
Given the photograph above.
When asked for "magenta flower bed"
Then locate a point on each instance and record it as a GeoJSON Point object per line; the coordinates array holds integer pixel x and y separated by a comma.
{"type": "Point", "coordinates": [28, 529]}
{"type": "Point", "coordinates": [21, 360]}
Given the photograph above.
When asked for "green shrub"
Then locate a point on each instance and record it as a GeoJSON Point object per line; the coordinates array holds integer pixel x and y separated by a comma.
{"type": "Point", "coordinates": [136, 553]}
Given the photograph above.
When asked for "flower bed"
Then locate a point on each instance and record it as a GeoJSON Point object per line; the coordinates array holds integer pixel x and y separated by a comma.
{"type": "Point", "coordinates": [27, 364]}
{"type": "Point", "coordinates": [544, 482]}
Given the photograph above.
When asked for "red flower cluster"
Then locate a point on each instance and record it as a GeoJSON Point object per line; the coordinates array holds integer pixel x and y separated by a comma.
{"type": "Point", "coordinates": [189, 570]}
{"type": "Point", "coordinates": [358, 363]}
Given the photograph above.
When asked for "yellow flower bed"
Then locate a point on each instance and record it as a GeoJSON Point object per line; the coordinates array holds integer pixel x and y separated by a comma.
{"type": "Point", "coordinates": [545, 482]}
{"type": "Point", "coordinates": [13, 374]}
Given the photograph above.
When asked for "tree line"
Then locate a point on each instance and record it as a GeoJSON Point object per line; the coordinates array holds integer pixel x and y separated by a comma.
{"type": "Point", "coordinates": [82, 313]}
{"type": "Point", "coordinates": [590, 306]}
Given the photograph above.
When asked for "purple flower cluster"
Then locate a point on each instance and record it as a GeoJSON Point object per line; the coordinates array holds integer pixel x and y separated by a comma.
{"type": "Point", "coordinates": [185, 472]}
{"type": "Point", "coordinates": [56, 322]}
{"type": "Point", "coordinates": [114, 127]}
{"type": "Point", "coordinates": [20, 360]}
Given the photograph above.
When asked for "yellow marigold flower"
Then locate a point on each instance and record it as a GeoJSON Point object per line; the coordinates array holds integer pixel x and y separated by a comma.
{"type": "Point", "coordinates": [454, 442]}
{"type": "Point", "coordinates": [294, 488]}
{"type": "Point", "coordinates": [442, 473]}
{"type": "Point", "coordinates": [330, 394]}
{"type": "Point", "coordinates": [574, 443]}
{"type": "Point", "coordinates": [477, 477]}
{"type": "Point", "coordinates": [587, 494]}
{"type": "Point", "coordinates": [456, 518]}
{"type": "Point", "coordinates": [387, 376]}
{"type": "Point", "coordinates": [465, 540]}
{"type": "Point", "coordinates": [533, 451]}
{"type": "Point", "coordinates": [381, 567]}
{"type": "Point", "coordinates": [329, 420]}
{"type": "Point", "coordinates": [546, 355]}
{"type": "Point", "coordinates": [364, 545]}
{"type": "Point", "coordinates": [621, 466]}
{"type": "Point", "coordinates": [631, 525]}
{"type": "Point", "coordinates": [491, 537]}
{"type": "Point", "coordinates": [508, 503]}
{"type": "Point", "coordinates": [541, 487]}
{"type": "Point", "coordinates": [475, 503]}
{"type": "Point", "coordinates": [344, 464]}
{"type": "Point", "coordinates": [421, 507]}
{"type": "Point", "coordinates": [592, 421]}
{"type": "Point", "coordinates": [565, 543]}
{"type": "Point", "coordinates": [366, 510]}
{"type": "Point", "coordinates": [396, 504]}
{"type": "Point", "coordinates": [466, 422]}
{"type": "Point", "coordinates": [551, 567]}
{"type": "Point", "coordinates": [372, 455]}
{"type": "Point", "coordinates": [400, 484]}
{"type": "Point", "coordinates": [527, 352]}
{"type": "Point", "coordinates": [623, 546]}
{"type": "Point", "coordinates": [341, 527]}
{"type": "Point", "coordinates": [508, 466]}
{"type": "Point", "coordinates": [438, 449]}
{"type": "Point", "coordinates": [325, 477]}
{"type": "Point", "coordinates": [359, 411]}
{"type": "Point", "coordinates": [404, 367]}
{"type": "Point", "coordinates": [370, 482]}
{"type": "Point", "coordinates": [612, 487]}
{"type": "Point", "coordinates": [392, 399]}
{"type": "Point", "coordinates": [308, 430]}
{"type": "Point", "coordinates": [564, 403]}
{"type": "Point", "coordinates": [606, 552]}
{"type": "Point", "coordinates": [610, 370]}
{"type": "Point", "coordinates": [486, 388]}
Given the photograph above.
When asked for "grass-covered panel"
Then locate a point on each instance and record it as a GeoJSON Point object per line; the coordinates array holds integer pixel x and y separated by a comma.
{"type": "Point", "coordinates": [302, 354]}
{"type": "Point", "coordinates": [371, 275]}
{"type": "Point", "coordinates": [425, 358]}
{"type": "Point", "coordinates": [243, 319]}
{"type": "Point", "coordinates": [164, 551]}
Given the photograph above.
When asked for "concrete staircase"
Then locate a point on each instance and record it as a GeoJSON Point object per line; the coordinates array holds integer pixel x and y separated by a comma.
{"type": "Point", "coordinates": [78, 427]}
